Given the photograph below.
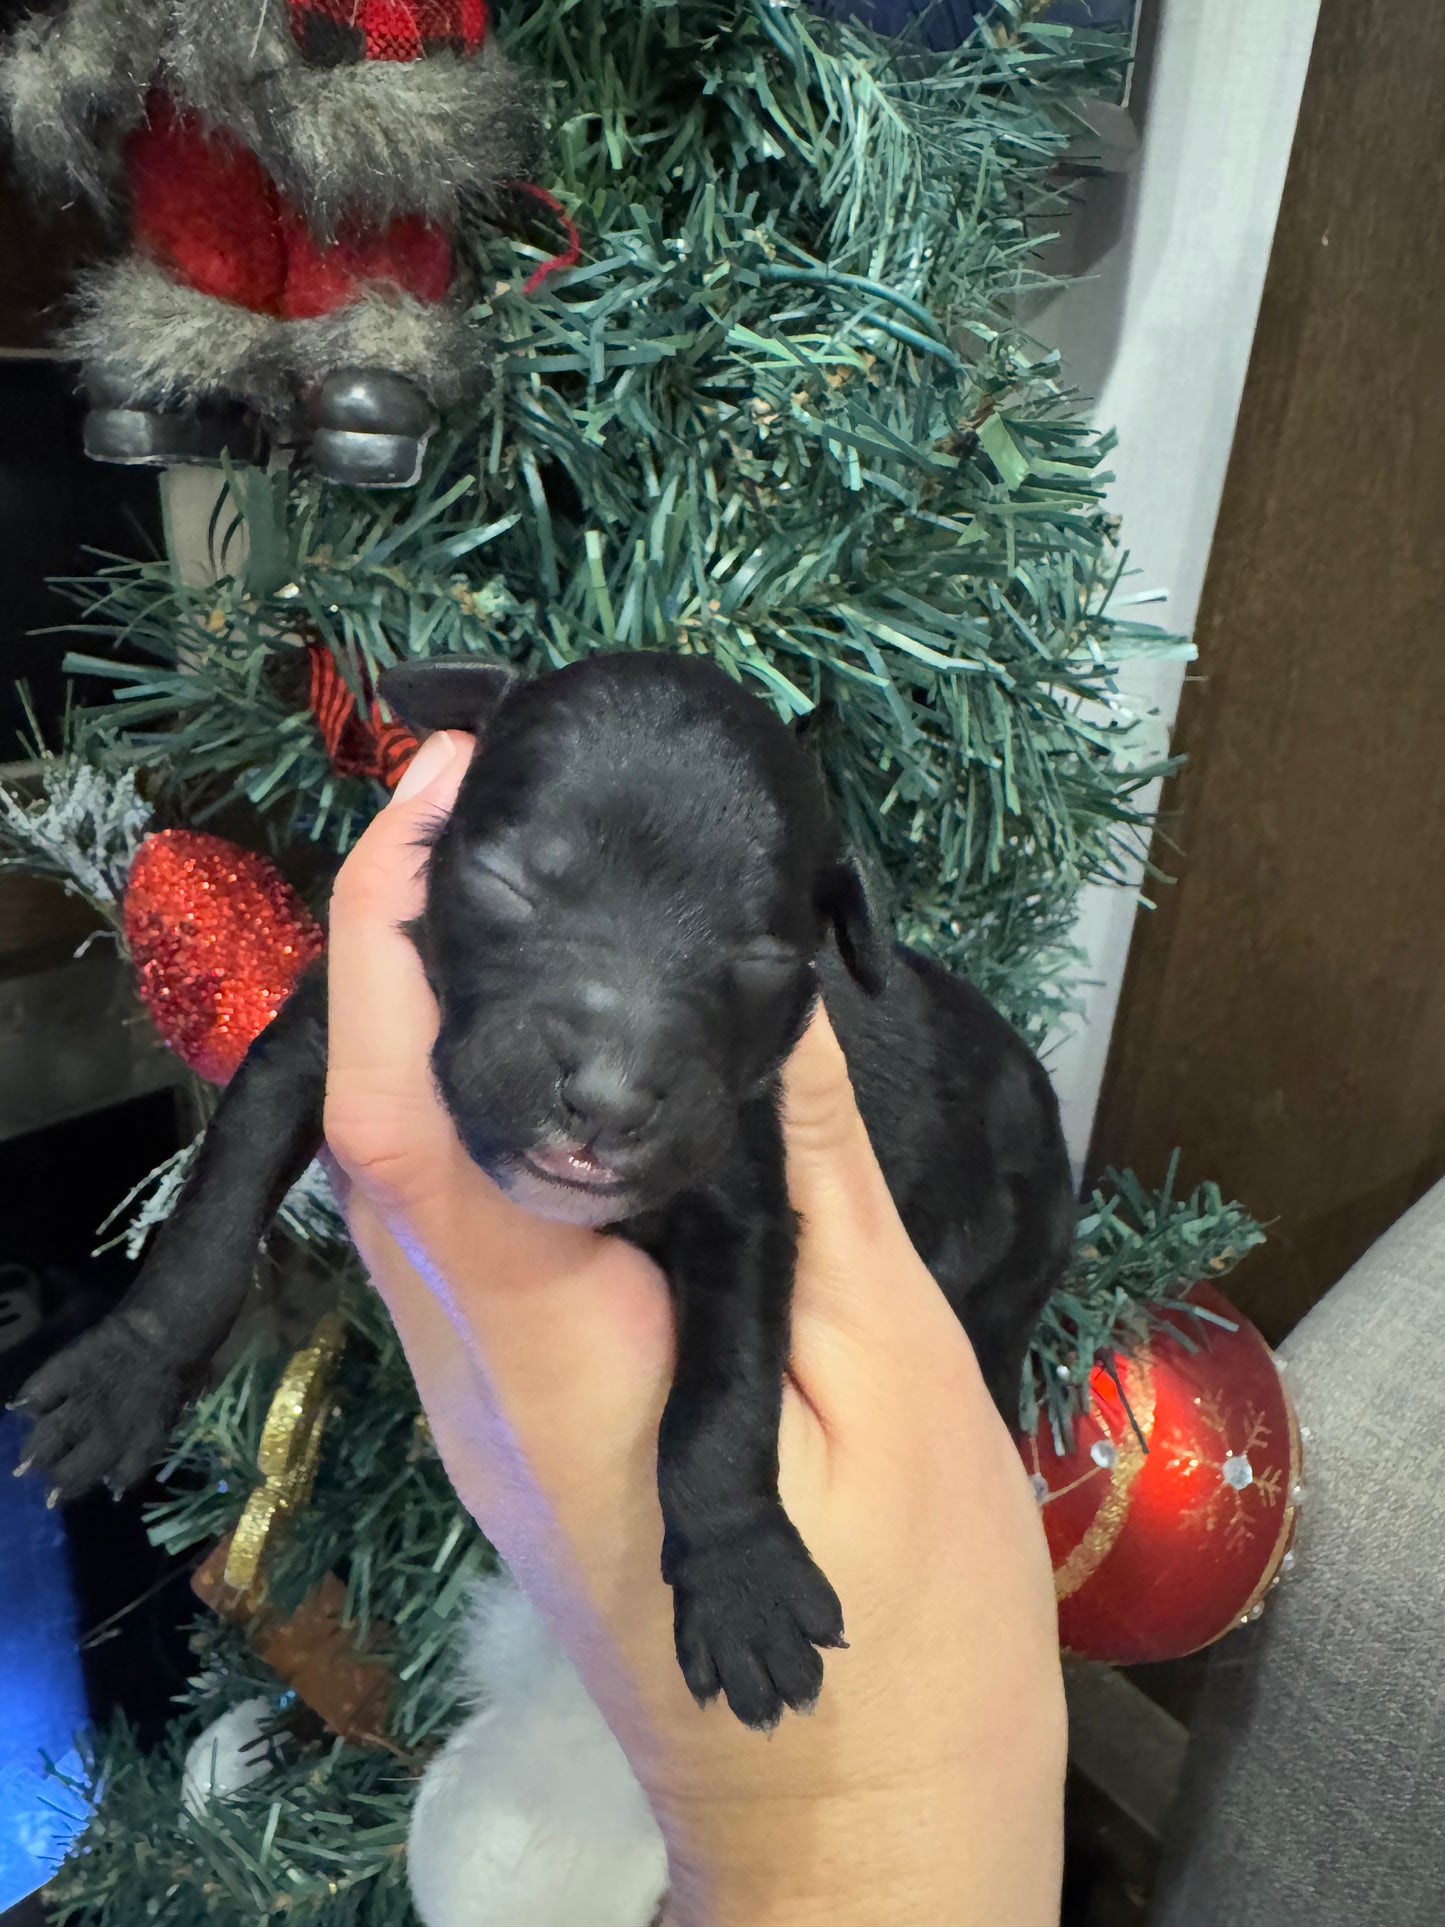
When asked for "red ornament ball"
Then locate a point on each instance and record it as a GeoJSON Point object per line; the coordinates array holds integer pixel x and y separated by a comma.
{"type": "Point", "coordinates": [217, 937]}
{"type": "Point", "coordinates": [1167, 1529]}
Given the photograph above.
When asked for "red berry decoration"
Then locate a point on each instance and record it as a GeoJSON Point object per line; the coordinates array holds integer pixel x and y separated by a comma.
{"type": "Point", "coordinates": [1165, 1537]}
{"type": "Point", "coordinates": [217, 936]}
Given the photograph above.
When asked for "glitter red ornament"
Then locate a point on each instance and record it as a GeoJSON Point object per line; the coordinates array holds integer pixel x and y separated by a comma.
{"type": "Point", "coordinates": [217, 937]}
{"type": "Point", "coordinates": [1167, 1528]}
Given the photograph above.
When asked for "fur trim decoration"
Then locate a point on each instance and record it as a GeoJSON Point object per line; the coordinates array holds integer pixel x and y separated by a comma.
{"type": "Point", "coordinates": [220, 55]}
{"type": "Point", "coordinates": [380, 138]}
{"type": "Point", "coordinates": [374, 138]}
{"type": "Point", "coordinates": [170, 345]}
{"type": "Point", "coordinates": [432, 343]}
{"type": "Point", "coordinates": [71, 82]}
{"type": "Point", "coordinates": [531, 1812]}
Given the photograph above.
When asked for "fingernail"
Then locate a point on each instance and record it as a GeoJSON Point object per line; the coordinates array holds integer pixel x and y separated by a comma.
{"type": "Point", "coordinates": [426, 766]}
{"type": "Point", "coordinates": [52, 1499]}
{"type": "Point", "coordinates": [21, 1469]}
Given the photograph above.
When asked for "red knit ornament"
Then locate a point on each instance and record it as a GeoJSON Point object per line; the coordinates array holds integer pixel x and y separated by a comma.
{"type": "Point", "coordinates": [360, 742]}
{"type": "Point", "coordinates": [217, 937]}
{"type": "Point", "coordinates": [1168, 1527]}
{"type": "Point", "coordinates": [203, 206]}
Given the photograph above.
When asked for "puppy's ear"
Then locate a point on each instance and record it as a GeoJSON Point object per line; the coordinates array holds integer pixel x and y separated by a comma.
{"type": "Point", "coordinates": [445, 692]}
{"type": "Point", "coordinates": [854, 902]}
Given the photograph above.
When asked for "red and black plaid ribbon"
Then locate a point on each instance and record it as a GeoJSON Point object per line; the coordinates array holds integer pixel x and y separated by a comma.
{"type": "Point", "coordinates": [331, 33]}
{"type": "Point", "coordinates": [358, 745]}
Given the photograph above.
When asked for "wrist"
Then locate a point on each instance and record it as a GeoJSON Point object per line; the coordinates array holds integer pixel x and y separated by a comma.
{"type": "Point", "coordinates": [959, 1844]}
{"type": "Point", "coordinates": [873, 1865]}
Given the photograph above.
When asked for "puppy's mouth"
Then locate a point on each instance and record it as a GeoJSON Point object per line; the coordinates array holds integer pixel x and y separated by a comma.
{"type": "Point", "coordinates": [576, 1167]}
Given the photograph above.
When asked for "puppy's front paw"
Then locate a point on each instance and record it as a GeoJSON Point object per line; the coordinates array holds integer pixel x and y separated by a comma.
{"type": "Point", "coordinates": [102, 1409]}
{"type": "Point", "coordinates": [748, 1616]}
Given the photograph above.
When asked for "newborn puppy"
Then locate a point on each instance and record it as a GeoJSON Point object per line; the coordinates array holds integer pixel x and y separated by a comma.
{"type": "Point", "coordinates": [628, 915]}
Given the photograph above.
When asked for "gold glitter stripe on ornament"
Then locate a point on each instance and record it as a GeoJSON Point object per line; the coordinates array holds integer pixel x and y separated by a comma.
{"type": "Point", "coordinates": [1089, 1554]}
{"type": "Point", "coordinates": [290, 1450]}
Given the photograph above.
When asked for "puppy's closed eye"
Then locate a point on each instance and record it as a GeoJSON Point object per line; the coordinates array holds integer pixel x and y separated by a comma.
{"type": "Point", "coordinates": [765, 970]}
{"type": "Point", "coordinates": [501, 888]}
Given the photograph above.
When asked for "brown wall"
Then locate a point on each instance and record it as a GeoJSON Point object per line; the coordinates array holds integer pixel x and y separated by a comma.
{"type": "Point", "coordinates": [1284, 1012]}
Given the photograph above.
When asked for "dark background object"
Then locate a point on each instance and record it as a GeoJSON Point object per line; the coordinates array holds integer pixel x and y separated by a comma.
{"type": "Point", "coordinates": [947, 23]}
{"type": "Point", "coordinates": [1283, 1017]}
{"type": "Point", "coordinates": [56, 509]}
{"type": "Point", "coordinates": [28, 1913]}
{"type": "Point", "coordinates": [41, 246]}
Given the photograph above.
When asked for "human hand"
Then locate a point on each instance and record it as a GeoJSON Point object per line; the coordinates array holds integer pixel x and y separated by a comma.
{"type": "Point", "coordinates": [926, 1788]}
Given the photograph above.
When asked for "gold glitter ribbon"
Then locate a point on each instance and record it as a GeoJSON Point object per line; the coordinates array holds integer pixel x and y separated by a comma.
{"type": "Point", "coordinates": [1083, 1562]}
{"type": "Point", "coordinates": [290, 1450]}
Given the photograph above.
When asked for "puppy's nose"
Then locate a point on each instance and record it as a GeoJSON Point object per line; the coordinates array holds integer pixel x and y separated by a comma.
{"type": "Point", "coordinates": [603, 1101]}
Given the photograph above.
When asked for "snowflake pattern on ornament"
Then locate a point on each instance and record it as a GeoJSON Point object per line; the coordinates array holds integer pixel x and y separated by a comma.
{"type": "Point", "coordinates": [1234, 1497]}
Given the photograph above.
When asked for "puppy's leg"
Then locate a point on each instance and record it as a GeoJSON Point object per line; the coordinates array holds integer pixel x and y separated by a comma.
{"type": "Point", "coordinates": [104, 1405]}
{"type": "Point", "coordinates": [750, 1607]}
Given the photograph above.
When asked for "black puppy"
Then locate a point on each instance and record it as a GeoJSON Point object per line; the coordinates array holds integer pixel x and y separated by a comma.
{"type": "Point", "coordinates": [628, 916]}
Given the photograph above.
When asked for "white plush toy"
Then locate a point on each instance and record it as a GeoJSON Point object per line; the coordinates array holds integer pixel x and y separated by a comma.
{"type": "Point", "coordinates": [530, 1815]}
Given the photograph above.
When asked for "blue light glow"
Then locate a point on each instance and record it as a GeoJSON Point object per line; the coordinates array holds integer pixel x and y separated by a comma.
{"type": "Point", "coordinates": [42, 1693]}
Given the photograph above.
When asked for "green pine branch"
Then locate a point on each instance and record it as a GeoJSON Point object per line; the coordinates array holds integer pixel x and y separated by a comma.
{"type": "Point", "coordinates": [783, 414]}
{"type": "Point", "coordinates": [321, 1838]}
{"type": "Point", "coordinates": [1136, 1252]}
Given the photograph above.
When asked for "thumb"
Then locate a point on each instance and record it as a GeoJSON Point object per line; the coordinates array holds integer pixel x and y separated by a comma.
{"type": "Point", "coordinates": [859, 1277]}
{"type": "Point", "coordinates": [438, 765]}
{"type": "Point", "coordinates": [382, 1016]}
{"type": "Point", "coordinates": [383, 874]}
{"type": "Point", "coordinates": [834, 1180]}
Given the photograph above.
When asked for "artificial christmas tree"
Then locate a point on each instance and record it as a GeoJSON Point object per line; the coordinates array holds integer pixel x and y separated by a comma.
{"type": "Point", "coordinates": [783, 413]}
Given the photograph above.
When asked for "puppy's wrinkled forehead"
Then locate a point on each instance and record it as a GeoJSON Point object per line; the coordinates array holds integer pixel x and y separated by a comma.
{"type": "Point", "coordinates": [605, 796]}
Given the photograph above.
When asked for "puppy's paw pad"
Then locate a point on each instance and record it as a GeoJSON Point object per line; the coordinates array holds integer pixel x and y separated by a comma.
{"type": "Point", "coordinates": [749, 1615]}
